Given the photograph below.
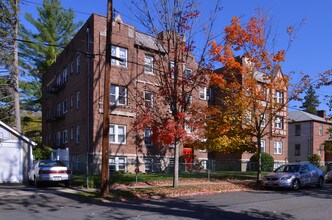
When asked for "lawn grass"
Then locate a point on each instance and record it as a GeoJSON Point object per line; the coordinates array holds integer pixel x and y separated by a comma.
{"type": "Point", "coordinates": [129, 179]}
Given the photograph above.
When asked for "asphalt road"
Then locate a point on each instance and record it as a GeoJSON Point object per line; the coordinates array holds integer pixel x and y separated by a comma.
{"type": "Point", "coordinates": [25, 203]}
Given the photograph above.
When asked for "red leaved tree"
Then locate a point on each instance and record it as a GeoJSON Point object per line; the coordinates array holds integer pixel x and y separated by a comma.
{"type": "Point", "coordinates": [170, 105]}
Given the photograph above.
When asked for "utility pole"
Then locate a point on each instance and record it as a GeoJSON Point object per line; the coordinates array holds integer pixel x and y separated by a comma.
{"type": "Point", "coordinates": [15, 73]}
{"type": "Point", "coordinates": [104, 189]}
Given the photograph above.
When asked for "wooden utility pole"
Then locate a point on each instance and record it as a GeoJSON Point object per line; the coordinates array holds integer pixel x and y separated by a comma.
{"type": "Point", "coordinates": [104, 189]}
{"type": "Point", "coordinates": [15, 73]}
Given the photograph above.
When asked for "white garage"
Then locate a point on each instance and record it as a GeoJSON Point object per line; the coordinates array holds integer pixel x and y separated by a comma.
{"type": "Point", "coordinates": [15, 155]}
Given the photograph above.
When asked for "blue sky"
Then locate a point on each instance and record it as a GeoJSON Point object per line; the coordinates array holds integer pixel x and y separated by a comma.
{"type": "Point", "coordinates": [309, 53]}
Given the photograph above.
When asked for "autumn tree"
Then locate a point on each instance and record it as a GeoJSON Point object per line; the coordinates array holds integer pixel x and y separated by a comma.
{"type": "Point", "coordinates": [252, 92]}
{"type": "Point", "coordinates": [54, 28]}
{"type": "Point", "coordinates": [167, 108]}
{"type": "Point", "coordinates": [310, 101]}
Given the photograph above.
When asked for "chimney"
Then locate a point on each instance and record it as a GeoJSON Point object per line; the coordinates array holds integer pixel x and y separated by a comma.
{"type": "Point", "coordinates": [321, 113]}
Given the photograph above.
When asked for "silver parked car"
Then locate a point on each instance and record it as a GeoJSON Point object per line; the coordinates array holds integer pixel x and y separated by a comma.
{"type": "Point", "coordinates": [328, 176]}
{"type": "Point", "coordinates": [49, 171]}
{"type": "Point", "coordinates": [295, 175]}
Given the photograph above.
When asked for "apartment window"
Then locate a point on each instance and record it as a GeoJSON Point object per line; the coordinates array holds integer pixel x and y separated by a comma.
{"type": "Point", "coordinates": [59, 79]}
{"type": "Point", "coordinates": [148, 99]}
{"type": "Point", "coordinates": [78, 64]}
{"type": "Point", "coordinates": [147, 137]}
{"type": "Point", "coordinates": [121, 53]}
{"type": "Point", "coordinates": [264, 93]}
{"type": "Point", "coordinates": [71, 101]}
{"type": "Point", "coordinates": [320, 129]}
{"type": "Point", "coordinates": [297, 130]}
{"type": "Point", "coordinates": [297, 149]}
{"type": "Point", "coordinates": [148, 67]}
{"type": "Point", "coordinates": [59, 109]}
{"type": "Point", "coordinates": [71, 134]}
{"type": "Point", "coordinates": [65, 136]}
{"type": "Point", "coordinates": [189, 99]}
{"type": "Point", "coordinates": [117, 164]}
{"type": "Point", "coordinates": [77, 134]}
{"type": "Point", "coordinates": [247, 117]}
{"type": "Point", "coordinates": [72, 68]}
{"type": "Point", "coordinates": [117, 134]}
{"type": "Point", "coordinates": [263, 144]}
{"type": "Point", "coordinates": [279, 122]}
{"type": "Point", "coordinates": [187, 73]}
{"type": "Point", "coordinates": [58, 138]}
{"type": "Point", "coordinates": [65, 75]}
{"type": "Point", "coordinates": [279, 97]}
{"type": "Point", "coordinates": [204, 93]}
{"type": "Point", "coordinates": [263, 120]}
{"type": "Point", "coordinates": [171, 69]}
{"type": "Point", "coordinates": [278, 147]}
{"type": "Point", "coordinates": [65, 106]}
{"type": "Point", "coordinates": [118, 95]}
{"type": "Point", "coordinates": [77, 100]}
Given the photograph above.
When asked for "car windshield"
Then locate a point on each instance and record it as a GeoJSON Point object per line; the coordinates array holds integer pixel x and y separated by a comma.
{"type": "Point", "coordinates": [51, 163]}
{"type": "Point", "coordinates": [288, 168]}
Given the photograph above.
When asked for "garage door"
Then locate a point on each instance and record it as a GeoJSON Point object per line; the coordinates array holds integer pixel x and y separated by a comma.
{"type": "Point", "coordinates": [10, 163]}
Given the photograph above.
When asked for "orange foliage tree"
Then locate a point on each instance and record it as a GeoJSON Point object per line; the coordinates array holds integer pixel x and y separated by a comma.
{"type": "Point", "coordinates": [251, 94]}
{"type": "Point", "coordinates": [170, 104]}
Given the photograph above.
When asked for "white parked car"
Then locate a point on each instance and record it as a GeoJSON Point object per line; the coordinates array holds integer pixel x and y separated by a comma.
{"type": "Point", "coordinates": [49, 171]}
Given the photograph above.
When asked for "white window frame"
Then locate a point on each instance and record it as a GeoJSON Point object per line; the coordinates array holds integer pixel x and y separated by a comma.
{"type": "Point", "coordinates": [78, 100]}
{"type": "Point", "coordinates": [263, 120]}
{"type": "Point", "coordinates": [187, 73]}
{"type": "Point", "coordinates": [72, 68]}
{"type": "Point", "coordinates": [65, 75]}
{"type": "Point", "coordinates": [114, 128]}
{"type": "Point", "coordinates": [146, 101]}
{"type": "Point", "coordinates": [118, 52]}
{"type": "Point", "coordinates": [277, 149]}
{"type": "Point", "coordinates": [71, 101]}
{"type": "Point", "coordinates": [78, 64]}
{"type": "Point", "coordinates": [204, 93]}
{"type": "Point", "coordinates": [58, 138]}
{"type": "Point", "coordinates": [263, 145]}
{"type": "Point", "coordinates": [65, 136]}
{"type": "Point", "coordinates": [148, 64]}
{"type": "Point", "coordinates": [147, 137]}
{"type": "Point", "coordinates": [117, 162]}
{"type": "Point", "coordinates": [171, 69]}
{"type": "Point", "coordinates": [320, 131]}
{"type": "Point", "coordinates": [78, 134]}
{"type": "Point", "coordinates": [65, 106]}
{"type": "Point", "coordinates": [279, 97]}
{"type": "Point", "coordinates": [71, 134]}
{"type": "Point", "coordinates": [279, 122]}
{"type": "Point", "coordinates": [117, 95]}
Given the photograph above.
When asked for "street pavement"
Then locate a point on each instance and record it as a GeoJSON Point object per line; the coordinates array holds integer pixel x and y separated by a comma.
{"type": "Point", "coordinates": [21, 202]}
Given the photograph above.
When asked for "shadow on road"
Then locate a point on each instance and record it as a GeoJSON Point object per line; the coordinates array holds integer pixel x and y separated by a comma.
{"type": "Point", "coordinates": [54, 199]}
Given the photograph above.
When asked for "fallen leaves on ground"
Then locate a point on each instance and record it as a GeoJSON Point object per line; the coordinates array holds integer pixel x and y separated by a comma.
{"type": "Point", "coordinates": [164, 189]}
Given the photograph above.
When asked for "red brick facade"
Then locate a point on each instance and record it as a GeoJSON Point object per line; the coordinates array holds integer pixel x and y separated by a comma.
{"type": "Point", "coordinates": [73, 104]}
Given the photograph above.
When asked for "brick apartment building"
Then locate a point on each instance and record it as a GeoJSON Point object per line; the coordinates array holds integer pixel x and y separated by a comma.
{"type": "Point", "coordinates": [275, 142]}
{"type": "Point", "coordinates": [72, 98]}
{"type": "Point", "coordinates": [307, 134]}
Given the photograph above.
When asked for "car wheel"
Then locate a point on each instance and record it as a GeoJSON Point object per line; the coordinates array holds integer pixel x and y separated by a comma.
{"type": "Point", "coordinates": [320, 182]}
{"type": "Point", "coordinates": [36, 183]}
{"type": "Point", "coordinates": [296, 184]}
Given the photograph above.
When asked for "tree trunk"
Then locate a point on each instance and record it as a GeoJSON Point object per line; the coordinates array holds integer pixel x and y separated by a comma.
{"type": "Point", "coordinates": [15, 73]}
{"type": "Point", "coordinates": [259, 169]}
{"type": "Point", "coordinates": [176, 166]}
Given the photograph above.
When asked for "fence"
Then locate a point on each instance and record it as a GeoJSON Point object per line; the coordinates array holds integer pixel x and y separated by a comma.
{"type": "Point", "coordinates": [206, 166]}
